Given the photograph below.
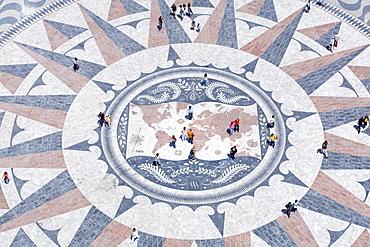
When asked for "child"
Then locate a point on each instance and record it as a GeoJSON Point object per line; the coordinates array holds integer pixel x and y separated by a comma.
{"type": "Point", "coordinates": [198, 28]}
{"type": "Point", "coordinates": [192, 25]}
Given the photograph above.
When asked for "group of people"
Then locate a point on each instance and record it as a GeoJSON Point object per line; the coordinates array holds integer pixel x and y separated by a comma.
{"type": "Point", "coordinates": [362, 123]}
{"type": "Point", "coordinates": [187, 135]}
{"type": "Point", "coordinates": [104, 120]}
{"type": "Point", "coordinates": [272, 137]}
{"type": "Point", "coordinates": [183, 11]}
{"type": "Point", "coordinates": [307, 8]}
{"type": "Point", "coordinates": [233, 127]}
{"type": "Point", "coordinates": [290, 207]}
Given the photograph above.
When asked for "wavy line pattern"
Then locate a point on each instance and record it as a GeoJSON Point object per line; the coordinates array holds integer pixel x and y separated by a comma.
{"type": "Point", "coordinates": [351, 17]}
{"type": "Point", "coordinates": [11, 11]}
{"type": "Point", "coordinates": [359, 9]}
{"type": "Point", "coordinates": [9, 33]}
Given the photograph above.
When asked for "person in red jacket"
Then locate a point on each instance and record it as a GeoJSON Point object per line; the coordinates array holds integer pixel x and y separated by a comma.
{"type": "Point", "coordinates": [236, 125]}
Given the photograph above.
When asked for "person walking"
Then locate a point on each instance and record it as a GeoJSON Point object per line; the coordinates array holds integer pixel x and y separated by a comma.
{"type": "Point", "coordinates": [160, 23]}
{"type": "Point", "coordinates": [191, 136]}
{"type": "Point", "coordinates": [360, 122]}
{"type": "Point", "coordinates": [272, 139]}
{"type": "Point", "coordinates": [233, 151]}
{"type": "Point", "coordinates": [182, 12]}
{"type": "Point", "coordinates": [156, 160]}
{"type": "Point", "coordinates": [6, 178]}
{"type": "Point", "coordinates": [336, 39]}
{"type": "Point", "coordinates": [236, 125]}
{"type": "Point", "coordinates": [173, 142]}
{"type": "Point", "coordinates": [192, 25]}
{"type": "Point", "coordinates": [190, 113]}
{"type": "Point", "coordinates": [295, 206]}
{"type": "Point", "coordinates": [101, 117]}
{"type": "Point", "coordinates": [288, 207]}
{"type": "Point", "coordinates": [324, 148]}
{"type": "Point", "coordinates": [192, 153]}
{"type": "Point", "coordinates": [134, 235]}
{"type": "Point", "coordinates": [190, 11]}
{"type": "Point", "coordinates": [107, 121]}
{"type": "Point", "coordinates": [366, 120]}
{"type": "Point", "coordinates": [204, 82]}
{"type": "Point", "coordinates": [75, 64]}
{"type": "Point", "coordinates": [173, 8]}
{"type": "Point", "coordinates": [184, 134]}
{"type": "Point", "coordinates": [198, 27]}
{"type": "Point", "coordinates": [308, 7]}
{"type": "Point", "coordinates": [271, 124]}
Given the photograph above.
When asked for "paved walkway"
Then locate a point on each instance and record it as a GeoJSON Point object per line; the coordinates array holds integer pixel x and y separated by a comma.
{"type": "Point", "coordinates": [75, 183]}
{"type": "Point", "coordinates": [11, 11]}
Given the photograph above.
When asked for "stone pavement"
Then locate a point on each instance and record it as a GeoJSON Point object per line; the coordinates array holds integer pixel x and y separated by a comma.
{"type": "Point", "coordinates": [74, 183]}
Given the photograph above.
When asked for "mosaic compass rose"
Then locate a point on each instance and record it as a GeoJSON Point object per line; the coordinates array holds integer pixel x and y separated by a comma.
{"type": "Point", "coordinates": [270, 60]}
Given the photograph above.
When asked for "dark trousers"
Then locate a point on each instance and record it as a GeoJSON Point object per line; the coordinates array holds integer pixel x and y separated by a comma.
{"type": "Point", "coordinates": [190, 140]}
{"type": "Point", "coordinates": [271, 143]}
{"type": "Point", "coordinates": [232, 156]}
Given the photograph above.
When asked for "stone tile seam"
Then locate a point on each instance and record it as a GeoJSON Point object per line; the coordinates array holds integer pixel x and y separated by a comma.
{"type": "Point", "coordinates": [21, 25]}
{"type": "Point", "coordinates": [344, 17]}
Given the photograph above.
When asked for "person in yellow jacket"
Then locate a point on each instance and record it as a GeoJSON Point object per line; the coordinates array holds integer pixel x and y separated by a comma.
{"type": "Point", "coordinates": [272, 139]}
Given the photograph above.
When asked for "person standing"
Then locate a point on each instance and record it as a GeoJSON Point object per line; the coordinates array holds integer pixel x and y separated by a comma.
{"type": "Point", "coordinates": [324, 148]}
{"type": "Point", "coordinates": [134, 235]}
{"type": "Point", "coordinates": [6, 178]}
{"type": "Point", "coordinates": [336, 39]}
{"type": "Point", "coordinates": [233, 151]}
{"type": "Point", "coordinates": [191, 136]}
{"type": "Point", "coordinates": [160, 23]}
{"type": "Point", "coordinates": [173, 142]}
{"type": "Point", "coordinates": [190, 113]}
{"type": "Point", "coordinates": [75, 64]}
{"type": "Point", "coordinates": [236, 125]}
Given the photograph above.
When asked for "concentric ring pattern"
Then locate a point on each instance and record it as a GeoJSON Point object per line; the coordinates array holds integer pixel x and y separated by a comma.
{"type": "Point", "coordinates": [74, 182]}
